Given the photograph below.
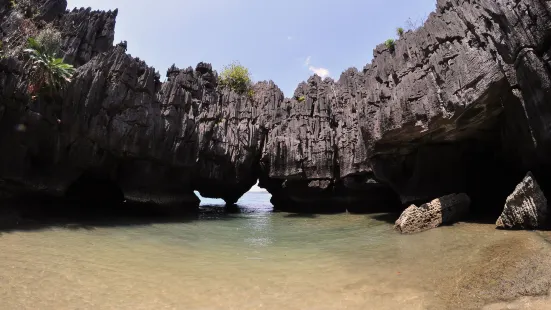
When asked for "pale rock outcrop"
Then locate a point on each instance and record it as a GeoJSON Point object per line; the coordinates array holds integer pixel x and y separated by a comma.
{"type": "Point", "coordinates": [444, 210]}
{"type": "Point", "coordinates": [526, 207]}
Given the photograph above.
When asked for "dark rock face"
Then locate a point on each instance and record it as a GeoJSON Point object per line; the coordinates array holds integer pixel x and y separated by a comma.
{"type": "Point", "coordinates": [453, 104]}
{"type": "Point", "coordinates": [165, 139]}
{"type": "Point", "coordinates": [49, 10]}
{"type": "Point", "coordinates": [35, 153]}
{"type": "Point", "coordinates": [87, 33]}
{"type": "Point", "coordinates": [526, 207]}
{"type": "Point", "coordinates": [459, 103]}
{"type": "Point", "coordinates": [444, 210]}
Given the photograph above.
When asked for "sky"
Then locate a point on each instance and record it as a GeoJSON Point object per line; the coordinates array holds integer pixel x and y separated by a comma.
{"type": "Point", "coordinates": [281, 40]}
{"type": "Point", "coordinates": [286, 41]}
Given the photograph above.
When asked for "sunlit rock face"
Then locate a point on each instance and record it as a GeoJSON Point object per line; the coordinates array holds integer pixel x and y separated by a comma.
{"type": "Point", "coordinates": [525, 208]}
{"type": "Point", "coordinates": [455, 105]}
{"type": "Point", "coordinates": [459, 103]}
{"type": "Point", "coordinates": [441, 211]}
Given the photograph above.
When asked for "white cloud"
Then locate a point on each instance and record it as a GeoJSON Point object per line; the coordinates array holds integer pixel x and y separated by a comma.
{"type": "Point", "coordinates": [322, 72]}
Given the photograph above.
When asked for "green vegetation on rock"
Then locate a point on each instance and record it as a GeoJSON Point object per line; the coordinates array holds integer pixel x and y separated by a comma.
{"type": "Point", "coordinates": [237, 78]}
{"type": "Point", "coordinates": [48, 74]}
{"type": "Point", "coordinates": [400, 31]}
{"type": "Point", "coordinates": [49, 40]}
{"type": "Point", "coordinates": [390, 43]}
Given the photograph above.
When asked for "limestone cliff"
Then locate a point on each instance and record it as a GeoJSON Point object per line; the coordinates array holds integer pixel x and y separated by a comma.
{"type": "Point", "coordinates": [457, 105]}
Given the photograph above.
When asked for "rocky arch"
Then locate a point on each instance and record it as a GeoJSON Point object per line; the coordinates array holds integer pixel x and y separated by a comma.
{"type": "Point", "coordinates": [469, 80]}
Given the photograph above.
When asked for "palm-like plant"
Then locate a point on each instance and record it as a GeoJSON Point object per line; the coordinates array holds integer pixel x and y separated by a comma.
{"type": "Point", "coordinates": [47, 72]}
{"type": "Point", "coordinates": [400, 31]}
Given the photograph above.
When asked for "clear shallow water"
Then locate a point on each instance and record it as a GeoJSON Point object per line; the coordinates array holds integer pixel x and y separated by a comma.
{"type": "Point", "coordinates": [252, 258]}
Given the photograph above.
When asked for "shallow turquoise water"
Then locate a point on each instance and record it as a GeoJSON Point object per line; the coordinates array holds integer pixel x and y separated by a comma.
{"type": "Point", "coordinates": [243, 258]}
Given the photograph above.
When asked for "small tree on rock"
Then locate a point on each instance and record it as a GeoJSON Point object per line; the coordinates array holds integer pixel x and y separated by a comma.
{"type": "Point", "coordinates": [237, 78]}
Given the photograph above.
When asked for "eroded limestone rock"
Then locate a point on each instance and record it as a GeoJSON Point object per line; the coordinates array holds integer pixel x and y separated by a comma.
{"type": "Point", "coordinates": [444, 210]}
{"type": "Point", "coordinates": [525, 208]}
{"type": "Point", "coordinates": [456, 105]}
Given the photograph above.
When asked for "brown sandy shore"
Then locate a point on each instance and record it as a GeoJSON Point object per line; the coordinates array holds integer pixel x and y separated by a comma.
{"type": "Point", "coordinates": [530, 276]}
{"type": "Point", "coordinates": [269, 261]}
{"type": "Point", "coordinates": [505, 274]}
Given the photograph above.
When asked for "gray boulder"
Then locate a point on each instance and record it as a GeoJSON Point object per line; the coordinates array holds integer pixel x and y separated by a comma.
{"type": "Point", "coordinates": [525, 208]}
{"type": "Point", "coordinates": [447, 209]}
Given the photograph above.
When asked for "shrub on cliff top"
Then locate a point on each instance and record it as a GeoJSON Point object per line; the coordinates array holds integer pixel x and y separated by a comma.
{"type": "Point", "coordinates": [390, 44]}
{"type": "Point", "coordinates": [236, 77]}
{"type": "Point", "coordinates": [49, 39]}
{"type": "Point", "coordinates": [400, 31]}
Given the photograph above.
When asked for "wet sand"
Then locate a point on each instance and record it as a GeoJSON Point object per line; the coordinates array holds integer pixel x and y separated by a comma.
{"type": "Point", "coordinates": [253, 258]}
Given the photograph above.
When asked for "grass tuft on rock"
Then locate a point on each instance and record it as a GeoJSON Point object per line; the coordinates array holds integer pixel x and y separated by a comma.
{"type": "Point", "coordinates": [390, 44]}
{"type": "Point", "coordinates": [400, 31]}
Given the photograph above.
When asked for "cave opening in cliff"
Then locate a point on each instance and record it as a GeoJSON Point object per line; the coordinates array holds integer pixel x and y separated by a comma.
{"type": "Point", "coordinates": [94, 190]}
{"type": "Point", "coordinates": [488, 181]}
{"type": "Point", "coordinates": [477, 159]}
{"type": "Point", "coordinates": [498, 157]}
{"type": "Point", "coordinates": [252, 198]}
{"type": "Point", "coordinates": [492, 170]}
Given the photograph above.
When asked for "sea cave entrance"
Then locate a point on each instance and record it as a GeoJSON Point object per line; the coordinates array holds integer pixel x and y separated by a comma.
{"type": "Point", "coordinates": [255, 199]}
{"type": "Point", "coordinates": [94, 190]}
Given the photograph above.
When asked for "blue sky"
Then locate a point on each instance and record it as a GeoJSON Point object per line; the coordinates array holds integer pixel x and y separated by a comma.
{"type": "Point", "coordinates": [280, 40]}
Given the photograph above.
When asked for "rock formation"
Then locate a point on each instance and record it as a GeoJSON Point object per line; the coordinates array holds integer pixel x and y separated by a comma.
{"type": "Point", "coordinates": [458, 103]}
{"type": "Point", "coordinates": [444, 210]}
{"type": "Point", "coordinates": [526, 207]}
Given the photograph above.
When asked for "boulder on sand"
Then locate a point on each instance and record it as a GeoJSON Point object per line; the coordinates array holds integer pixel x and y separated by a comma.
{"type": "Point", "coordinates": [525, 208]}
{"type": "Point", "coordinates": [447, 209]}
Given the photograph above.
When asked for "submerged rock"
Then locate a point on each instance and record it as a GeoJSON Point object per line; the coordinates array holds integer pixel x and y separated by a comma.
{"type": "Point", "coordinates": [526, 207]}
{"type": "Point", "coordinates": [447, 209]}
